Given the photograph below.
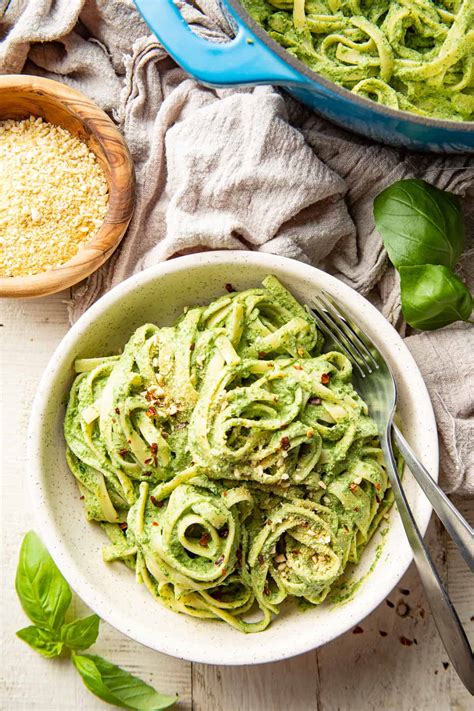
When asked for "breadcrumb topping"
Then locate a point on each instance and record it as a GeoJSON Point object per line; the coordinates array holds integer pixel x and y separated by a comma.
{"type": "Point", "coordinates": [53, 196]}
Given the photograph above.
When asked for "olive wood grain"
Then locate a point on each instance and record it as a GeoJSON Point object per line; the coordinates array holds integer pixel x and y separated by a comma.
{"type": "Point", "coordinates": [22, 96]}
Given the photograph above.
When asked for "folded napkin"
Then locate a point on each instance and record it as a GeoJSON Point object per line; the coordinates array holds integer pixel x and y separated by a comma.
{"type": "Point", "coordinates": [243, 169]}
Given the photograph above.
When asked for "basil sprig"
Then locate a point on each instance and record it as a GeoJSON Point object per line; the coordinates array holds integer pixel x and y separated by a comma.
{"type": "Point", "coordinates": [423, 232]}
{"type": "Point", "coordinates": [45, 597]}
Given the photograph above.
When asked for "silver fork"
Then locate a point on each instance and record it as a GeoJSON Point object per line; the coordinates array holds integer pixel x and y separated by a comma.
{"type": "Point", "coordinates": [374, 381]}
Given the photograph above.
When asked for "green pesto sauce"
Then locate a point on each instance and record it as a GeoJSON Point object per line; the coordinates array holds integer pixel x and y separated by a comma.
{"type": "Point", "coordinates": [344, 590]}
{"type": "Point", "coordinates": [414, 56]}
{"type": "Point", "coordinates": [230, 460]}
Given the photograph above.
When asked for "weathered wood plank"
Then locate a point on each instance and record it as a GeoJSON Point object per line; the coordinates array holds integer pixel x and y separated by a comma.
{"type": "Point", "coordinates": [461, 590]}
{"type": "Point", "coordinates": [290, 686]}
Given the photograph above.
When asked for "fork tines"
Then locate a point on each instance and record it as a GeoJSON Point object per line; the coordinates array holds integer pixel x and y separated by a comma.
{"type": "Point", "coordinates": [335, 323]}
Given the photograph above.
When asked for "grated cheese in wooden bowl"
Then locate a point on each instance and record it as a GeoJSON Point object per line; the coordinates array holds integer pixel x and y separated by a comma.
{"type": "Point", "coordinates": [53, 196]}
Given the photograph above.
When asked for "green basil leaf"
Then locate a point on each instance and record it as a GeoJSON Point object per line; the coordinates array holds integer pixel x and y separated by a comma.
{"type": "Point", "coordinates": [433, 297]}
{"type": "Point", "coordinates": [419, 224]}
{"type": "Point", "coordinates": [81, 634]}
{"type": "Point", "coordinates": [43, 592]}
{"type": "Point", "coordinates": [41, 641]}
{"type": "Point", "coordinates": [116, 686]}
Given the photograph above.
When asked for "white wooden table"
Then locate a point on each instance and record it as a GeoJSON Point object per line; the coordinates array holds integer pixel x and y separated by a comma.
{"type": "Point", "coordinates": [362, 671]}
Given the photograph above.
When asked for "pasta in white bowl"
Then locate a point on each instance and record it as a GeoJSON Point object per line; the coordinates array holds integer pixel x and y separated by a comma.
{"type": "Point", "coordinates": [266, 482]}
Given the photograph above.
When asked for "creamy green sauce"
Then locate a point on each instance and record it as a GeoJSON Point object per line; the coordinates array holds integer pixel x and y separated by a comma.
{"type": "Point", "coordinates": [414, 55]}
{"type": "Point", "coordinates": [229, 459]}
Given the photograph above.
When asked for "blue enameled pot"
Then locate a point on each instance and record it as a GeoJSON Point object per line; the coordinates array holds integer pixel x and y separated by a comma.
{"type": "Point", "coordinates": [252, 57]}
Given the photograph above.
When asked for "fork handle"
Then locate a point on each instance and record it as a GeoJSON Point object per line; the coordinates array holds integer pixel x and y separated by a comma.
{"type": "Point", "coordinates": [449, 627]}
{"type": "Point", "coordinates": [457, 527]}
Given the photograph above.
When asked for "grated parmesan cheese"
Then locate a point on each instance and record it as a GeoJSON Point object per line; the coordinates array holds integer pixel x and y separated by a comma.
{"type": "Point", "coordinates": [53, 196]}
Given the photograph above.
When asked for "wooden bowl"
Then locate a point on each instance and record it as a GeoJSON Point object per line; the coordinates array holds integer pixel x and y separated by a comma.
{"type": "Point", "coordinates": [22, 96]}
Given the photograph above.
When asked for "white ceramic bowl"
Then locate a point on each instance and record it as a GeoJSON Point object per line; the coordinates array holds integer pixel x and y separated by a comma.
{"type": "Point", "coordinates": [159, 295]}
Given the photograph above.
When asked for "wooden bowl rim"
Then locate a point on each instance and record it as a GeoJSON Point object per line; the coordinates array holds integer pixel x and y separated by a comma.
{"type": "Point", "coordinates": [122, 182]}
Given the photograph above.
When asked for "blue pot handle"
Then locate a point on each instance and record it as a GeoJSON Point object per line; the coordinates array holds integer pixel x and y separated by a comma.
{"type": "Point", "coordinates": [243, 60]}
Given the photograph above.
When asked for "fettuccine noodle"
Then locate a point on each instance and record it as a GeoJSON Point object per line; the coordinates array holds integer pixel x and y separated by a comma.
{"type": "Point", "coordinates": [231, 462]}
{"type": "Point", "coordinates": [414, 55]}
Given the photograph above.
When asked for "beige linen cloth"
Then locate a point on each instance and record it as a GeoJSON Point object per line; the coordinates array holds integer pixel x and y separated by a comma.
{"type": "Point", "coordinates": [244, 169]}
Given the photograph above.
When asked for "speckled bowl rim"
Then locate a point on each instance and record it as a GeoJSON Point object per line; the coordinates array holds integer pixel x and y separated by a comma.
{"type": "Point", "coordinates": [188, 647]}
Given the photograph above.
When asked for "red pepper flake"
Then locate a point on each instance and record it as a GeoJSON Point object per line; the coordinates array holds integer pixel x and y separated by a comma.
{"type": "Point", "coordinates": [123, 526]}
{"type": "Point", "coordinates": [325, 378]}
{"type": "Point", "coordinates": [357, 630]}
{"type": "Point", "coordinates": [314, 400]}
{"type": "Point", "coordinates": [155, 502]}
{"type": "Point", "coordinates": [219, 560]}
{"type": "Point", "coordinates": [261, 559]}
{"type": "Point", "coordinates": [229, 288]}
{"type": "Point", "coordinates": [353, 486]}
{"type": "Point", "coordinates": [285, 443]}
{"type": "Point", "coordinates": [153, 448]}
{"type": "Point", "coordinates": [148, 461]}
{"type": "Point", "coordinates": [155, 523]}
{"type": "Point", "coordinates": [297, 367]}
{"type": "Point", "coordinates": [151, 412]}
{"type": "Point", "coordinates": [149, 396]}
{"type": "Point", "coordinates": [117, 411]}
{"type": "Point", "coordinates": [262, 354]}
{"type": "Point", "coordinates": [192, 346]}
{"type": "Point", "coordinates": [204, 540]}
{"type": "Point", "coordinates": [296, 551]}
{"type": "Point", "coordinates": [81, 498]}
{"type": "Point", "coordinates": [266, 590]}
{"type": "Point", "coordinates": [382, 633]}
{"type": "Point", "coordinates": [378, 486]}
{"type": "Point", "coordinates": [445, 665]}
{"type": "Point", "coordinates": [224, 571]}
{"type": "Point", "coordinates": [405, 641]}
{"type": "Point", "coordinates": [404, 591]}
{"type": "Point", "coordinates": [356, 509]}
{"type": "Point", "coordinates": [123, 452]}
{"type": "Point", "coordinates": [389, 603]}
